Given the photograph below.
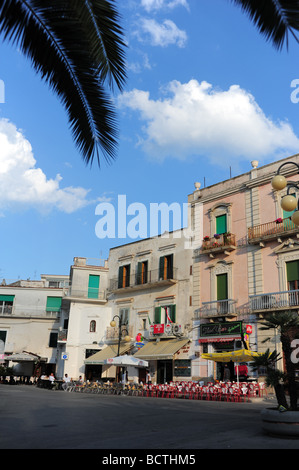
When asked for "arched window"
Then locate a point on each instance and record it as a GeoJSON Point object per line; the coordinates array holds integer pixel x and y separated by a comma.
{"type": "Point", "coordinates": [92, 326]}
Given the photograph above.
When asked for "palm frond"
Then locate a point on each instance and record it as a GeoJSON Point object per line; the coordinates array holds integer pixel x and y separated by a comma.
{"type": "Point", "coordinates": [275, 19]}
{"type": "Point", "coordinates": [57, 38]}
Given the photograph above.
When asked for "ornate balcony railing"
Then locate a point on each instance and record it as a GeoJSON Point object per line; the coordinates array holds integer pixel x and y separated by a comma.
{"type": "Point", "coordinates": [272, 230]}
{"type": "Point", "coordinates": [218, 308]}
{"type": "Point", "coordinates": [274, 301]}
{"type": "Point", "coordinates": [143, 280]}
{"type": "Point", "coordinates": [219, 243]}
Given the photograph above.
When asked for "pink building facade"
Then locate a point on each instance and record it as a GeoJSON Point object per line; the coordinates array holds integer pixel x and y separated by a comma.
{"type": "Point", "coordinates": [246, 259]}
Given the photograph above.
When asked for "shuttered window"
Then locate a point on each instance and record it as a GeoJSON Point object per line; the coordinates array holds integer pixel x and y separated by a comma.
{"type": "Point", "coordinates": [142, 273]}
{"type": "Point", "coordinates": [222, 291]}
{"type": "Point", "coordinates": [292, 271]}
{"type": "Point", "coordinates": [221, 225]}
{"type": "Point", "coordinates": [124, 276]}
{"type": "Point", "coordinates": [166, 267]}
{"type": "Point", "coordinates": [93, 286]}
{"type": "Point", "coordinates": [53, 304]}
{"type": "Point", "coordinates": [161, 314]}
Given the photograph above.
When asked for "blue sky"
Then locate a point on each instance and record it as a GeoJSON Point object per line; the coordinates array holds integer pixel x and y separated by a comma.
{"type": "Point", "coordinates": [205, 95]}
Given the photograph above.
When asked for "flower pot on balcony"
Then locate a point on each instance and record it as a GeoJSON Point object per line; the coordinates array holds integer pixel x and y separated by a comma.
{"type": "Point", "coordinates": [280, 423]}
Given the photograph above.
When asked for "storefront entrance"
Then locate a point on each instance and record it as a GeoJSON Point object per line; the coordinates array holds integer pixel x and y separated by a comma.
{"type": "Point", "coordinates": [164, 371]}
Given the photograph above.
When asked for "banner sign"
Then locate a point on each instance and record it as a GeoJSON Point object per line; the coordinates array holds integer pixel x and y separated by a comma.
{"type": "Point", "coordinates": [221, 329]}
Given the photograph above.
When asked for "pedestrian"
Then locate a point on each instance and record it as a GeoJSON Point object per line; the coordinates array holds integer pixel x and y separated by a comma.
{"type": "Point", "coordinates": [148, 377]}
{"type": "Point", "coordinates": [226, 374]}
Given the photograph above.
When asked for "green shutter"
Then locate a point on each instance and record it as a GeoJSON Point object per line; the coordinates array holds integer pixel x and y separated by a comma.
{"type": "Point", "coordinates": [139, 274]}
{"type": "Point", "coordinates": [293, 271]}
{"type": "Point", "coordinates": [288, 224]}
{"type": "Point", "coordinates": [120, 277]}
{"type": "Point", "coordinates": [53, 304]}
{"type": "Point", "coordinates": [221, 226]}
{"type": "Point", "coordinates": [222, 287]}
{"type": "Point", "coordinates": [161, 267]}
{"type": "Point", "coordinates": [7, 298]}
{"type": "Point", "coordinates": [93, 286]}
{"type": "Point", "coordinates": [172, 313]}
{"type": "Point", "coordinates": [157, 319]}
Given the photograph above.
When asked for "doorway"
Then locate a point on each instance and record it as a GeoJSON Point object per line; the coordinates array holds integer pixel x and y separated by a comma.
{"type": "Point", "coordinates": [164, 372]}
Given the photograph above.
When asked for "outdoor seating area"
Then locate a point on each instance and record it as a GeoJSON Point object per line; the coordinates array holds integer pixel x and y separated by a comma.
{"type": "Point", "coordinates": [219, 391]}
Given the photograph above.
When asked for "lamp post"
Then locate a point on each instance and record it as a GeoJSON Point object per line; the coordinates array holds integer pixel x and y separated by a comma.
{"type": "Point", "coordinates": [289, 202]}
{"type": "Point", "coordinates": [120, 330]}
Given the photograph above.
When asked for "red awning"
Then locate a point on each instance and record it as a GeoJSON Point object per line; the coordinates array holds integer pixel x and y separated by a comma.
{"type": "Point", "coordinates": [218, 339]}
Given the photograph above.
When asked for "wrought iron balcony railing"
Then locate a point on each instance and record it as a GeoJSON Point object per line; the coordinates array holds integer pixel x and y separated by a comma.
{"type": "Point", "coordinates": [272, 230]}
{"type": "Point", "coordinates": [219, 243]}
{"type": "Point", "coordinates": [218, 308]}
{"type": "Point", "coordinates": [274, 301]}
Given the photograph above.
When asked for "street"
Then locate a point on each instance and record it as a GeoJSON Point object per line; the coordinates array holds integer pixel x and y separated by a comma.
{"type": "Point", "coordinates": [34, 418]}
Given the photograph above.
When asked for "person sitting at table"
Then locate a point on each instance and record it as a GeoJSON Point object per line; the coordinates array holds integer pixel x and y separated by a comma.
{"type": "Point", "coordinates": [52, 379]}
{"type": "Point", "coordinates": [66, 380]}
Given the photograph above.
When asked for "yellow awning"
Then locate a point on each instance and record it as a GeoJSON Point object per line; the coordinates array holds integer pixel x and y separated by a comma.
{"type": "Point", "coordinates": [241, 355]}
{"type": "Point", "coordinates": [164, 349]}
{"type": "Point", "coordinates": [106, 353]}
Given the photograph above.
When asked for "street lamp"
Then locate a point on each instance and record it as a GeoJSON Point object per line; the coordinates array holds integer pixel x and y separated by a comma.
{"type": "Point", "coordinates": [289, 202]}
{"type": "Point", "coordinates": [120, 330]}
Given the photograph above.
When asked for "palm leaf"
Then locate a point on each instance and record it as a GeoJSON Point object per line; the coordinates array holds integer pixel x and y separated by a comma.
{"type": "Point", "coordinates": [63, 48]}
{"type": "Point", "coordinates": [275, 19]}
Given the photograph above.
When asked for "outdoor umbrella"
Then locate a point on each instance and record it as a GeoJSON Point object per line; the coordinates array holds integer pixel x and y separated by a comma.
{"type": "Point", "coordinates": [241, 355]}
{"type": "Point", "coordinates": [126, 361]}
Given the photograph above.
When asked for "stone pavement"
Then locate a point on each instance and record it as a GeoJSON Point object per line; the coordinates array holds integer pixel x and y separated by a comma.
{"type": "Point", "coordinates": [34, 418]}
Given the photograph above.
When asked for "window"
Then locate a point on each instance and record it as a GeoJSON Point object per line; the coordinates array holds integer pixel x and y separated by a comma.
{"type": "Point", "coordinates": [165, 314]}
{"type": "Point", "coordinates": [92, 326]}
{"type": "Point", "coordinates": [6, 304]}
{"type": "Point", "coordinates": [221, 224]}
{"type": "Point", "coordinates": [53, 340]}
{"type": "Point", "coordinates": [166, 267]}
{"type": "Point", "coordinates": [222, 292]}
{"type": "Point", "coordinates": [142, 268]}
{"type": "Point", "coordinates": [93, 286]}
{"type": "Point", "coordinates": [182, 368]}
{"type": "Point", "coordinates": [124, 276]}
{"type": "Point", "coordinates": [124, 315]}
{"type": "Point", "coordinates": [293, 281]}
{"type": "Point", "coordinates": [53, 305]}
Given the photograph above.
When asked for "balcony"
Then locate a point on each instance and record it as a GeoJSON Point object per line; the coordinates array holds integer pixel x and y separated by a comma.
{"type": "Point", "coordinates": [145, 280]}
{"type": "Point", "coordinates": [88, 294]}
{"type": "Point", "coordinates": [274, 301]}
{"type": "Point", "coordinates": [62, 336]}
{"type": "Point", "coordinates": [112, 334]}
{"type": "Point", "coordinates": [218, 308]}
{"type": "Point", "coordinates": [224, 243]}
{"type": "Point", "coordinates": [272, 231]}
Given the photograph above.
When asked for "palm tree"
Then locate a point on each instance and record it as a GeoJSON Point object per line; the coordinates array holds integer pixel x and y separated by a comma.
{"type": "Point", "coordinates": [77, 47]}
{"type": "Point", "coordinates": [275, 19]}
{"type": "Point", "coordinates": [287, 323]}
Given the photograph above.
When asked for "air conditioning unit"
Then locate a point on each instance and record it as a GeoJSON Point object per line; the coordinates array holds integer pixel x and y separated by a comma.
{"type": "Point", "coordinates": [176, 329]}
{"type": "Point", "coordinates": [168, 329]}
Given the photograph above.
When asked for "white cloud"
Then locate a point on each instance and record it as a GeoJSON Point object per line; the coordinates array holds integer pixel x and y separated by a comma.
{"type": "Point", "coordinates": [151, 5]}
{"type": "Point", "coordinates": [196, 119]}
{"type": "Point", "coordinates": [22, 183]}
{"type": "Point", "coordinates": [165, 34]}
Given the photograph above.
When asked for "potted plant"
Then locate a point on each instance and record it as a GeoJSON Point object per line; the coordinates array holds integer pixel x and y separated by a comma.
{"type": "Point", "coordinates": [217, 236]}
{"type": "Point", "coordinates": [279, 220]}
{"type": "Point", "coordinates": [284, 418]}
{"type": "Point", "coordinates": [206, 238]}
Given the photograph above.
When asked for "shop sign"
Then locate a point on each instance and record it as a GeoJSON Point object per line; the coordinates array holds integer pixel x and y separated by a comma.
{"type": "Point", "coordinates": [249, 329]}
{"type": "Point", "coordinates": [221, 329]}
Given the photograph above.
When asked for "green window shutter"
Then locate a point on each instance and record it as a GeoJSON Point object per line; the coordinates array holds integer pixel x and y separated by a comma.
{"type": "Point", "coordinates": [53, 304]}
{"type": "Point", "coordinates": [157, 318]}
{"type": "Point", "coordinates": [173, 313]}
{"type": "Point", "coordinates": [222, 287]}
{"type": "Point", "coordinates": [128, 271]}
{"type": "Point", "coordinates": [161, 267]}
{"type": "Point", "coordinates": [221, 226]}
{"type": "Point", "coordinates": [288, 224]}
{"type": "Point", "coordinates": [120, 276]}
{"type": "Point", "coordinates": [7, 298]}
{"type": "Point", "coordinates": [139, 274]}
{"type": "Point", "coordinates": [293, 271]}
{"type": "Point", "coordinates": [93, 286]}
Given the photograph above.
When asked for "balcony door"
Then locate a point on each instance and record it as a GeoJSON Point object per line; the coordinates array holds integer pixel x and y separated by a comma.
{"type": "Point", "coordinates": [293, 281]}
{"type": "Point", "coordinates": [222, 293]}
